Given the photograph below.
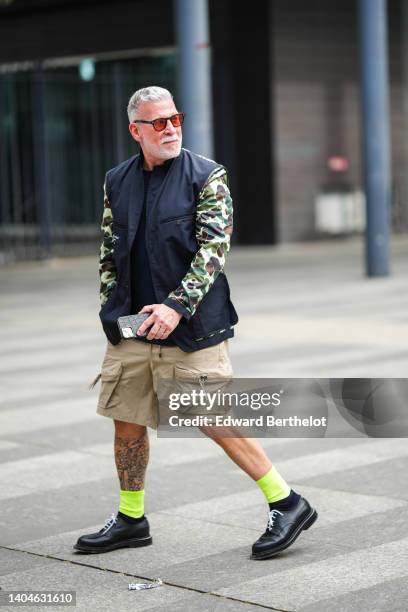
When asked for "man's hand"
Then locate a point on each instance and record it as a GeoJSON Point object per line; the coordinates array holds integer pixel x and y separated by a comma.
{"type": "Point", "coordinates": [163, 318]}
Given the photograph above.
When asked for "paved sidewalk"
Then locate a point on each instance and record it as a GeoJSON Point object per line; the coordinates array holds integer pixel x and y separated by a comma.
{"type": "Point", "coordinates": [306, 310]}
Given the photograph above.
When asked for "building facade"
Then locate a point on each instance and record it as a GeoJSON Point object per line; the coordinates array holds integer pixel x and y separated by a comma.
{"type": "Point", "coordinates": [285, 77]}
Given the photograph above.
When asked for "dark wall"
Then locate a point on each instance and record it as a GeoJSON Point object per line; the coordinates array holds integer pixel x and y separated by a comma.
{"type": "Point", "coordinates": [51, 28]}
{"type": "Point", "coordinates": [240, 39]}
{"type": "Point", "coordinates": [243, 114]}
{"type": "Point", "coordinates": [316, 104]}
{"type": "Point", "coordinates": [285, 90]}
{"type": "Point", "coordinates": [316, 96]}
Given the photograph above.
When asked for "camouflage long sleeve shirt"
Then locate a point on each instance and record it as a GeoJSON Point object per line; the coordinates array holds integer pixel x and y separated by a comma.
{"type": "Point", "coordinates": [214, 224]}
{"type": "Point", "coordinates": [107, 266]}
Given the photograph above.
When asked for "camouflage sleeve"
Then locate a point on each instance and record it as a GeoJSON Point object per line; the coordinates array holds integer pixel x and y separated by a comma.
{"type": "Point", "coordinates": [213, 232]}
{"type": "Point", "coordinates": [107, 267]}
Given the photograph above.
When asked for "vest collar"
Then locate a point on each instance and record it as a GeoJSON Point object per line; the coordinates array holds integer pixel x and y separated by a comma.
{"type": "Point", "coordinates": [160, 175]}
{"type": "Point", "coordinates": [162, 169]}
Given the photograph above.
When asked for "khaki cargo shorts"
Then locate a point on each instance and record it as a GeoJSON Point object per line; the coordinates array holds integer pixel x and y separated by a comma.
{"type": "Point", "coordinates": [131, 371]}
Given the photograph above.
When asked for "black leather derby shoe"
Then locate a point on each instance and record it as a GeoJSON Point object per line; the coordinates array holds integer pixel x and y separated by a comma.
{"type": "Point", "coordinates": [283, 528]}
{"type": "Point", "coordinates": [116, 533]}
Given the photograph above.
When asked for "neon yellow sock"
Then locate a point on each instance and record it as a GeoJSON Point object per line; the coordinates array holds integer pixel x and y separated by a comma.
{"type": "Point", "coordinates": [273, 486]}
{"type": "Point", "coordinates": [132, 503]}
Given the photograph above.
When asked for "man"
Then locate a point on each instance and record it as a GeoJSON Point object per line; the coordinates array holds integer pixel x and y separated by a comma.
{"type": "Point", "coordinates": [166, 224]}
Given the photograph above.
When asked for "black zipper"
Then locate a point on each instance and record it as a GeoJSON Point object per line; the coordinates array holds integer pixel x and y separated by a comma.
{"type": "Point", "coordinates": [119, 225]}
{"type": "Point", "coordinates": [213, 333]}
{"type": "Point", "coordinates": [177, 218]}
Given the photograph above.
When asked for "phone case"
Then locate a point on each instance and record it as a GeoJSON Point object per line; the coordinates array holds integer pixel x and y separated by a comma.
{"type": "Point", "coordinates": [129, 325]}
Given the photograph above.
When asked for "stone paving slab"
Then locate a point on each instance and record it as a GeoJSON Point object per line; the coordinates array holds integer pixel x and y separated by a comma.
{"type": "Point", "coordinates": [369, 530]}
{"type": "Point", "coordinates": [388, 596]}
{"type": "Point", "coordinates": [213, 565]}
{"type": "Point", "coordinates": [95, 590]}
{"type": "Point", "coordinates": [367, 453]}
{"type": "Point", "coordinates": [233, 568]}
{"type": "Point", "coordinates": [389, 478]}
{"type": "Point", "coordinates": [14, 561]}
{"type": "Point", "coordinates": [338, 576]}
{"type": "Point", "coordinates": [59, 413]}
{"type": "Point", "coordinates": [50, 437]}
{"type": "Point", "coordinates": [210, 603]}
{"type": "Point", "coordinates": [314, 314]}
{"type": "Point", "coordinates": [21, 477]}
{"type": "Point", "coordinates": [176, 540]}
{"type": "Point", "coordinates": [46, 513]}
{"type": "Point", "coordinates": [334, 507]}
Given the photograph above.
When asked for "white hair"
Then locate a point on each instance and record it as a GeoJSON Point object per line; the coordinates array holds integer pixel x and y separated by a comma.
{"type": "Point", "coordinates": [146, 94]}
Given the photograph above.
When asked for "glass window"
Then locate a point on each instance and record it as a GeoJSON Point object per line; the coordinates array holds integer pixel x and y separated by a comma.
{"type": "Point", "coordinates": [84, 133]}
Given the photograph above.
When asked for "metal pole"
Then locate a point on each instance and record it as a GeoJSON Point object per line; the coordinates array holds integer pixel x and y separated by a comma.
{"type": "Point", "coordinates": [118, 104]}
{"type": "Point", "coordinates": [376, 133]}
{"type": "Point", "coordinates": [41, 157]}
{"type": "Point", "coordinates": [402, 218]}
{"type": "Point", "coordinates": [194, 74]}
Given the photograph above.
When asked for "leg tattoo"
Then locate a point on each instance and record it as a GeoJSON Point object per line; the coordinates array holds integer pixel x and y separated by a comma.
{"type": "Point", "coordinates": [131, 457]}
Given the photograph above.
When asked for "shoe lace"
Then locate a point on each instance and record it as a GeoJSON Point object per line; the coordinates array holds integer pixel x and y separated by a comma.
{"type": "Point", "coordinates": [272, 515]}
{"type": "Point", "coordinates": [110, 522]}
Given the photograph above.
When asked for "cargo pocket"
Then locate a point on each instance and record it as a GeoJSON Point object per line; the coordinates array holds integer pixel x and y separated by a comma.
{"type": "Point", "coordinates": [213, 384]}
{"type": "Point", "coordinates": [188, 381]}
{"type": "Point", "coordinates": [110, 377]}
{"type": "Point", "coordinates": [205, 365]}
{"type": "Point", "coordinates": [181, 373]}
